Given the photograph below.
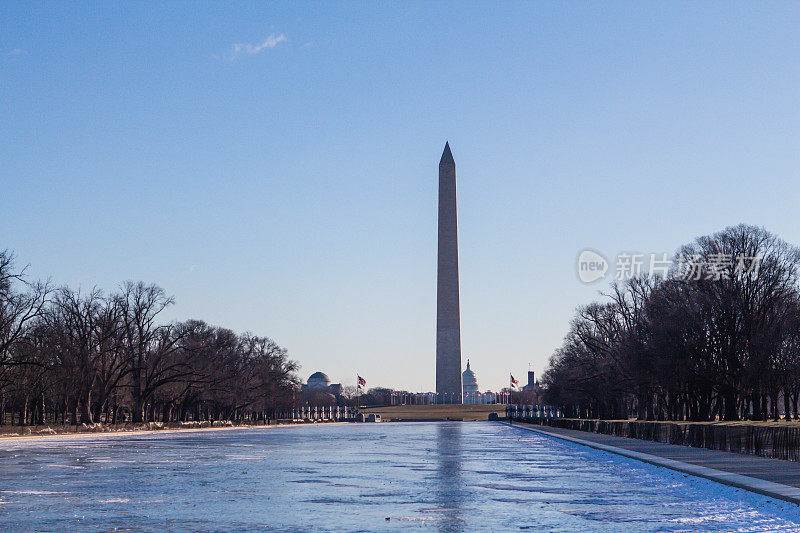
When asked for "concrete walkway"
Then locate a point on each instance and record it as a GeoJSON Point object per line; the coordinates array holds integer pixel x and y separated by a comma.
{"type": "Point", "coordinates": [770, 477]}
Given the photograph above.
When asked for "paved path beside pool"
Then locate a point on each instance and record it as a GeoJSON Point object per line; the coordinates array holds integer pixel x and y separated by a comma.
{"type": "Point", "coordinates": [771, 477]}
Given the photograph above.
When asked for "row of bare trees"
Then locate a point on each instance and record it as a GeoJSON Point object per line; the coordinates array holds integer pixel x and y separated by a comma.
{"type": "Point", "coordinates": [718, 337]}
{"type": "Point", "coordinates": [69, 356]}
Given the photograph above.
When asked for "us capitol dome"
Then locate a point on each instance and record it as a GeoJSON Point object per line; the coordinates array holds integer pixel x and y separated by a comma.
{"type": "Point", "coordinates": [470, 384]}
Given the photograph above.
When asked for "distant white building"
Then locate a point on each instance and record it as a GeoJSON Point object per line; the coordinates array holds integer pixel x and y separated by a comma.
{"type": "Point", "coordinates": [319, 383]}
{"type": "Point", "coordinates": [470, 384]}
{"type": "Point", "coordinates": [472, 393]}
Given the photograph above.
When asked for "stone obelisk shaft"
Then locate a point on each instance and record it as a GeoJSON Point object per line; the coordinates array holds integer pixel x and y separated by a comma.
{"type": "Point", "coordinates": [448, 321]}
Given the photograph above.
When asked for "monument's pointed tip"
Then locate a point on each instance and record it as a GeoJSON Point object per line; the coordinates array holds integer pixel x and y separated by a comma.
{"type": "Point", "coordinates": [447, 156]}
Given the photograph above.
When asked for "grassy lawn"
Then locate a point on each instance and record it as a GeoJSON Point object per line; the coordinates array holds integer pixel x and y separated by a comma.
{"type": "Point", "coordinates": [437, 412]}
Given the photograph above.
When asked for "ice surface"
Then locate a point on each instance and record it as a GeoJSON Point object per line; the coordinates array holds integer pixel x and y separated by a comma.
{"type": "Point", "coordinates": [446, 476]}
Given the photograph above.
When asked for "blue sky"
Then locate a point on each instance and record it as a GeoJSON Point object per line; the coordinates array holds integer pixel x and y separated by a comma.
{"type": "Point", "coordinates": [274, 166]}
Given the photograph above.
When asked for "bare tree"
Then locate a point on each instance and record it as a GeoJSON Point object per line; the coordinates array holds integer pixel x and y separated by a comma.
{"type": "Point", "coordinates": [721, 342]}
{"type": "Point", "coordinates": [17, 309]}
{"type": "Point", "coordinates": [147, 346]}
{"type": "Point", "coordinates": [104, 358]}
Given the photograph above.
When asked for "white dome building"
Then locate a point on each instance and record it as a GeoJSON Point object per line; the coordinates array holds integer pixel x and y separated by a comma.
{"type": "Point", "coordinates": [318, 380]}
{"type": "Point", "coordinates": [319, 390]}
{"type": "Point", "coordinates": [470, 384]}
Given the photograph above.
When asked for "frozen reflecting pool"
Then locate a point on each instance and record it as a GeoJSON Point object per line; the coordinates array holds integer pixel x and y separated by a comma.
{"type": "Point", "coordinates": [430, 476]}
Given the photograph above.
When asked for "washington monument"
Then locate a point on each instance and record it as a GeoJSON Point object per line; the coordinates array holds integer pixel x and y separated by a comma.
{"type": "Point", "coordinates": [448, 322]}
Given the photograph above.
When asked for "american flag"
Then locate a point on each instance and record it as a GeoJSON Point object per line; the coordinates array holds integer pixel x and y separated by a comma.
{"type": "Point", "coordinates": [361, 381]}
{"type": "Point", "coordinates": [514, 382]}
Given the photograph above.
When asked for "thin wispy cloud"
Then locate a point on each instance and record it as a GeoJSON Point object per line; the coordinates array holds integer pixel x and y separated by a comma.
{"type": "Point", "coordinates": [12, 52]}
{"type": "Point", "coordinates": [249, 49]}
